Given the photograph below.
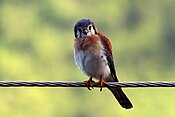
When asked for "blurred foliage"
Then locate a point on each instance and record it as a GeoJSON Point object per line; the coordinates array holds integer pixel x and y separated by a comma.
{"type": "Point", "coordinates": [36, 43]}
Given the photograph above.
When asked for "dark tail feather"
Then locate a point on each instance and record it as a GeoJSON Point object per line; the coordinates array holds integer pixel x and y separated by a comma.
{"type": "Point", "coordinates": [121, 97]}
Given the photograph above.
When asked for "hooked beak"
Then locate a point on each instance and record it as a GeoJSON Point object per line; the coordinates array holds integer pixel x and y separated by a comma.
{"type": "Point", "coordinates": [86, 31]}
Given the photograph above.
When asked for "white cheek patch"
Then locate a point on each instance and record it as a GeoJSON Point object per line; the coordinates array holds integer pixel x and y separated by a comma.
{"type": "Point", "coordinates": [78, 34]}
{"type": "Point", "coordinates": [92, 31]}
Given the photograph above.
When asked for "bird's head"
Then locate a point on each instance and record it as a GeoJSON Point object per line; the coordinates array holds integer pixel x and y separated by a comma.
{"type": "Point", "coordinates": [84, 27]}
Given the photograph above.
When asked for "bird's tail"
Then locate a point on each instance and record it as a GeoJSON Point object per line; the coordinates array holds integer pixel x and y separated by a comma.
{"type": "Point", "coordinates": [121, 97]}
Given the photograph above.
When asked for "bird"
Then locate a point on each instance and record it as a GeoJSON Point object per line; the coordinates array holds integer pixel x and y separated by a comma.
{"type": "Point", "coordinates": [93, 55]}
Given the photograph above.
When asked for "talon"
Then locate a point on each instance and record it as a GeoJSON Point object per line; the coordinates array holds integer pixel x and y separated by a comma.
{"type": "Point", "coordinates": [89, 83]}
{"type": "Point", "coordinates": [102, 83]}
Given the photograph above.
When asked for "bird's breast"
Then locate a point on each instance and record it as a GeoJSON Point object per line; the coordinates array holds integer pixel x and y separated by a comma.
{"type": "Point", "coordinates": [90, 58]}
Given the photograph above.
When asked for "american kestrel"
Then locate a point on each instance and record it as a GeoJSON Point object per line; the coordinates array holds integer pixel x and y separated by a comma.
{"type": "Point", "coordinates": [93, 55]}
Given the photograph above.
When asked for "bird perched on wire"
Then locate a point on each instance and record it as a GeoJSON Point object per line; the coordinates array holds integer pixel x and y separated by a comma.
{"type": "Point", "coordinates": [93, 55]}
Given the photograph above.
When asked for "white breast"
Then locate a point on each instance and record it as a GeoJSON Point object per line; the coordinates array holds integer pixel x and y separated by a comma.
{"type": "Point", "coordinates": [92, 63]}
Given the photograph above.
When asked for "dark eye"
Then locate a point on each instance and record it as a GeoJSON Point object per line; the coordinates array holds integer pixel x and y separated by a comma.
{"type": "Point", "coordinates": [90, 27]}
{"type": "Point", "coordinates": [79, 29]}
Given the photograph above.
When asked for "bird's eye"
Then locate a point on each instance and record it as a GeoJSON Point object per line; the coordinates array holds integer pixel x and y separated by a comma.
{"type": "Point", "coordinates": [79, 29]}
{"type": "Point", "coordinates": [89, 27]}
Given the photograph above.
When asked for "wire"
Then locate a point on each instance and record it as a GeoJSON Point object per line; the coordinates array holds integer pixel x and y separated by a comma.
{"type": "Point", "coordinates": [82, 84]}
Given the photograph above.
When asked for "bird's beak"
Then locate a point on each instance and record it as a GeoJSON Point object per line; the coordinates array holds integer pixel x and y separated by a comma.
{"type": "Point", "coordinates": [86, 31]}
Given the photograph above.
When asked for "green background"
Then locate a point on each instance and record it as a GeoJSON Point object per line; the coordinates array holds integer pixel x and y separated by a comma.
{"type": "Point", "coordinates": [36, 43]}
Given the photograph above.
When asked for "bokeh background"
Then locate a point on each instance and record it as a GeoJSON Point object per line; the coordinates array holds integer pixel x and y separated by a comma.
{"type": "Point", "coordinates": [36, 43]}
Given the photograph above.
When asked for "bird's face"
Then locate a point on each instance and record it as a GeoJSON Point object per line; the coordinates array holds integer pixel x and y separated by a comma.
{"type": "Point", "coordinates": [84, 27]}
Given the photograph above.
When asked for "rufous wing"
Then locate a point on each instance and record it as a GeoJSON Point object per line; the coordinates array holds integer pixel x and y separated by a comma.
{"type": "Point", "coordinates": [108, 52]}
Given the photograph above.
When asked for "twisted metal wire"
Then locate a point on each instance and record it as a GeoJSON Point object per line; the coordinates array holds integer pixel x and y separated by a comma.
{"type": "Point", "coordinates": [82, 84]}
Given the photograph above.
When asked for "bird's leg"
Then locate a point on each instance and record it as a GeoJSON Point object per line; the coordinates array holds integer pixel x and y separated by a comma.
{"type": "Point", "coordinates": [89, 83]}
{"type": "Point", "coordinates": [102, 83]}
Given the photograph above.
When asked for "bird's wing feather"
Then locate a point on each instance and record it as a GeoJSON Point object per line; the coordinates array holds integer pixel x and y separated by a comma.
{"type": "Point", "coordinates": [108, 52]}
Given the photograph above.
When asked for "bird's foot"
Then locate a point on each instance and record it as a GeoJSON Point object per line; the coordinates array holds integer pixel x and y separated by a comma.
{"type": "Point", "coordinates": [89, 83]}
{"type": "Point", "coordinates": [101, 83]}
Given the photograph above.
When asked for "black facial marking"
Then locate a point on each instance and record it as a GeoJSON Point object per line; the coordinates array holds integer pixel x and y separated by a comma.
{"type": "Point", "coordinates": [90, 27]}
{"type": "Point", "coordinates": [82, 25]}
{"type": "Point", "coordinates": [79, 29]}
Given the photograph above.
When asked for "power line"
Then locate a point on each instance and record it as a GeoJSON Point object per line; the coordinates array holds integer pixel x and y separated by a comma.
{"type": "Point", "coordinates": [82, 84]}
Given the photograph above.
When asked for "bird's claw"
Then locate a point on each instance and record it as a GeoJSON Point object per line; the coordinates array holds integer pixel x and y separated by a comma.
{"type": "Point", "coordinates": [101, 83]}
{"type": "Point", "coordinates": [89, 83]}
